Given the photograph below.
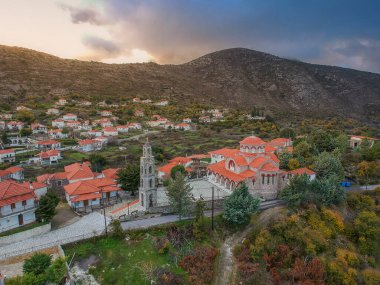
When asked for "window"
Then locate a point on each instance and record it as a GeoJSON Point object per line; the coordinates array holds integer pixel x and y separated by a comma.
{"type": "Point", "coordinates": [13, 206]}
{"type": "Point", "coordinates": [24, 203]}
{"type": "Point", "coordinates": [150, 169]}
{"type": "Point", "coordinates": [59, 183]}
{"type": "Point", "coordinates": [267, 179]}
{"type": "Point", "coordinates": [273, 179]}
{"type": "Point", "coordinates": [150, 183]}
{"type": "Point", "coordinates": [94, 199]}
{"type": "Point", "coordinates": [263, 179]}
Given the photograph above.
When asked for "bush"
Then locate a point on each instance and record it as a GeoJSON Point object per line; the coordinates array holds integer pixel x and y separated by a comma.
{"type": "Point", "coordinates": [116, 230]}
{"type": "Point", "coordinates": [37, 264]}
{"type": "Point", "coordinates": [371, 276]}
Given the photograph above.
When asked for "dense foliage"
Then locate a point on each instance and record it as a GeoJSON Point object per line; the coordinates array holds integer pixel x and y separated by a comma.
{"type": "Point", "coordinates": [179, 195]}
{"type": "Point", "coordinates": [46, 207]}
{"type": "Point", "coordinates": [129, 178]}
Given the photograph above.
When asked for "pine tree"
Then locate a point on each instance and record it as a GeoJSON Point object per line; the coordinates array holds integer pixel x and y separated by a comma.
{"type": "Point", "coordinates": [179, 195]}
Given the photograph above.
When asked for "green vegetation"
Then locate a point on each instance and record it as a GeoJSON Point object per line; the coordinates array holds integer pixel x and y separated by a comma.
{"type": "Point", "coordinates": [129, 178]}
{"type": "Point", "coordinates": [179, 195]}
{"type": "Point", "coordinates": [46, 206]}
{"type": "Point", "coordinates": [22, 229]}
{"type": "Point", "coordinates": [239, 206]}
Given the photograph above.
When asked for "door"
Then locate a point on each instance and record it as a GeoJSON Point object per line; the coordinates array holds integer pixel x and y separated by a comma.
{"type": "Point", "coordinates": [85, 202]}
{"type": "Point", "coordinates": [108, 194]}
{"type": "Point", "coordinates": [20, 220]}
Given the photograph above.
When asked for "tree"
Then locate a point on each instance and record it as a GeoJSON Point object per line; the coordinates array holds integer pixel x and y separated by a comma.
{"type": "Point", "coordinates": [25, 132]}
{"type": "Point", "coordinates": [117, 230]}
{"type": "Point", "coordinates": [57, 271]}
{"type": "Point", "coordinates": [303, 149]}
{"type": "Point", "coordinates": [46, 207]}
{"type": "Point", "coordinates": [179, 195]}
{"type": "Point", "coordinates": [25, 116]}
{"type": "Point", "coordinates": [97, 162]}
{"type": "Point", "coordinates": [323, 141]}
{"type": "Point", "coordinates": [368, 172]}
{"type": "Point", "coordinates": [178, 168]}
{"type": "Point", "coordinates": [37, 264]}
{"type": "Point", "coordinates": [285, 157]}
{"type": "Point", "coordinates": [129, 178]}
{"type": "Point", "coordinates": [297, 191]}
{"type": "Point", "coordinates": [288, 133]}
{"type": "Point", "coordinates": [239, 206]}
{"type": "Point", "coordinates": [327, 164]}
{"type": "Point", "coordinates": [293, 164]}
{"type": "Point", "coordinates": [366, 230]}
{"type": "Point", "coordinates": [4, 137]}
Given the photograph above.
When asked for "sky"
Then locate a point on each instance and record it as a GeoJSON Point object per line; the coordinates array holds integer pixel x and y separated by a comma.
{"type": "Point", "coordinates": [334, 32]}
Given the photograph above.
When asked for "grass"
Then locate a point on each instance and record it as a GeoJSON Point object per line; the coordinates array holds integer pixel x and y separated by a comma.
{"type": "Point", "coordinates": [22, 229]}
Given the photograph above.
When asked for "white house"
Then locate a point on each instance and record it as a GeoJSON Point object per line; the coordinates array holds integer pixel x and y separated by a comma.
{"type": "Point", "coordinates": [2, 125]}
{"type": "Point", "coordinates": [17, 205]}
{"type": "Point", "coordinates": [38, 128]}
{"type": "Point", "coordinates": [70, 117]}
{"type": "Point", "coordinates": [94, 133]}
{"type": "Point", "coordinates": [58, 123]}
{"type": "Point", "coordinates": [134, 126]}
{"type": "Point", "coordinates": [52, 111]}
{"type": "Point", "coordinates": [122, 129]}
{"type": "Point", "coordinates": [139, 113]}
{"type": "Point", "coordinates": [187, 120]}
{"type": "Point", "coordinates": [57, 134]}
{"type": "Point", "coordinates": [7, 155]}
{"type": "Point", "coordinates": [90, 145]}
{"type": "Point", "coordinates": [47, 157]}
{"type": "Point", "coordinates": [73, 124]}
{"type": "Point", "coordinates": [106, 113]}
{"type": "Point", "coordinates": [183, 127]}
{"type": "Point", "coordinates": [23, 108]}
{"type": "Point", "coordinates": [85, 103]}
{"type": "Point", "coordinates": [110, 132]}
{"type": "Point", "coordinates": [162, 103]}
{"type": "Point", "coordinates": [16, 173]}
{"type": "Point", "coordinates": [105, 122]}
{"type": "Point", "coordinates": [62, 102]}
{"type": "Point", "coordinates": [17, 141]}
{"type": "Point", "coordinates": [15, 125]}
{"type": "Point", "coordinates": [48, 144]}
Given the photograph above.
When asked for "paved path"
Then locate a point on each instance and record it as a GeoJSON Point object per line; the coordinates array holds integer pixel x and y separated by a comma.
{"type": "Point", "coordinates": [88, 226]}
{"type": "Point", "coordinates": [136, 137]}
{"type": "Point", "coordinates": [362, 188]}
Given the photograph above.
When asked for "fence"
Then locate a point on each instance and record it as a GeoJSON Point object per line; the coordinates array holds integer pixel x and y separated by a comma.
{"type": "Point", "coordinates": [52, 244]}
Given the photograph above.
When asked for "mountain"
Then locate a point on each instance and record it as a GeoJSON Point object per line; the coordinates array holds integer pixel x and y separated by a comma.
{"type": "Point", "coordinates": [237, 77]}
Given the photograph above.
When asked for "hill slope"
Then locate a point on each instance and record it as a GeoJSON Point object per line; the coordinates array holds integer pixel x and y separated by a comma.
{"type": "Point", "coordinates": [235, 77]}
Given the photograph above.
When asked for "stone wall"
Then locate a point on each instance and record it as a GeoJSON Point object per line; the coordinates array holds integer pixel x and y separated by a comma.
{"type": "Point", "coordinates": [25, 235]}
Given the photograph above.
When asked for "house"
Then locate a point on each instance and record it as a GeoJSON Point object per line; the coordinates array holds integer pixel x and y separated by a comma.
{"type": "Point", "coordinates": [94, 133]}
{"type": "Point", "coordinates": [70, 117]}
{"type": "Point", "coordinates": [159, 122]}
{"type": "Point", "coordinates": [55, 181]}
{"type": "Point", "coordinates": [90, 194]}
{"type": "Point", "coordinates": [136, 100]}
{"type": "Point", "coordinates": [111, 173]}
{"type": "Point", "coordinates": [86, 126]}
{"type": "Point", "coordinates": [252, 165]}
{"type": "Point", "coordinates": [165, 170]}
{"type": "Point", "coordinates": [85, 103]}
{"type": "Point", "coordinates": [139, 113]}
{"type": "Point", "coordinates": [52, 111]}
{"type": "Point", "coordinates": [47, 157]}
{"type": "Point", "coordinates": [110, 132]}
{"type": "Point", "coordinates": [281, 144]}
{"type": "Point", "coordinates": [7, 155]}
{"type": "Point", "coordinates": [15, 125]}
{"type": "Point", "coordinates": [57, 134]}
{"type": "Point", "coordinates": [187, 120]}
{"type": "Point", "coordinates": [23, 108]}
{"type": "Point", "coordinates": [146, 101]}
{"type": "Point", "coordinates": [18, 141]}
{"type": "Point", "coordinates": [162, 103]}
{"type": "Point", "coordinates": [300, 171]}
{"type": "Point", "coordinates": [17, 205]}
{"type": "Point", "coordinates": [6, 116]}
{"type": "Point", "coordinates": [62, 102]}
{"type": "Point", "coordinates": [58, 123]}
{"type": "Point", "coordinates": [16, 173]}
{"type": "Point", "coordinates": [79, 172]}
{"type": "Point", "coordinates": [122, 129]}
{"type": "Point", "coordinates": [39, 189]}
{"type": "Point", "coordinates": [356, 141]}
{"type": "Point", "coordinates": [205, 119]}
{"type": "Point", "coordinates": [156, 117]}
{"type": "Point", "coordinates": [89, 145]}
{"type": "Point", "coordinates": [134, 126]}
{"type": "Point", "coordinates": [105, 122]}
{"type": "Point", "coordinates": [73, 124]}
{"type": "Point", "coordinates": [38, 128]}
{"type": "Point", "coordinates": [183, 127]}
{"type": "Point", "coordinates": [4, 175]}
{"type": "Point", "coordinates": [106, 113]}
{"type": "Point", "coordinates": [3, 125]}
{"type": "Point", "coordinates": [48, 144]}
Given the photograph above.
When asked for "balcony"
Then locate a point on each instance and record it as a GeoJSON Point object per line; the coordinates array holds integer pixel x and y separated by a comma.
{"type": "Point", "coordinates": [18, 209]}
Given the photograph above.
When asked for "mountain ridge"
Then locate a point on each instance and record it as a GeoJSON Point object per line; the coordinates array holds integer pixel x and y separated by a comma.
{"type": "Point", "coordinates": [237, 77]}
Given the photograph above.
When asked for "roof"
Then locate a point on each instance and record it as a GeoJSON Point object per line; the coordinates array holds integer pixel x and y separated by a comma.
{"type": "Point", "coordinates": [269, 148]}
{"type": "Point", "coordinates": [75, 166]}
{"type": "Point", "coordinates": [35, 185]}
{"type": "Point", "coordinates": [12, 192]}
{"type": "Point", "coordinates": [49, 153]}
{"type": "Point", "coordinates": [269, 167]}
{"type": "Point", "coordinates": [111, 173]}
{"type": "Point", "coordinates": [258, 161]}
{"type": "Point", "coordinates": [181, 159]}
{"type": "Point", "coordinates": [363, 138]}
{"type": "Point", "coordinates": [47, 142]}
{"type": "Point", "coordinates": [87, 142]}
{"type": "Point", "coordinates": [5, 151]}
{"type": "Point", "coordinates": [86, 197]}
{"type": "Point", "coordinates": [91, 186]}
{"type": "Point", "coordinates": [303, 170]}
{"type": "Point", "coordinates": [70, 115]}
{"type": "Point", "coordinates": [14, 169]}
{"type": "Point", "coordinates": [226, 152]}
{"type": "Point", "coordinates": [51, 176]}
{"type": "Point", "coordinates": [240, 160]}
{"type": "Point", "coordinates": [109, 129]}
{"type": "Point", "coordinates": [252, 140]}
{"type": "Point", "coordinates": [236, 177]}
{"type": "Point", "coordinates": [4, 173]}
{"type": "Point", "coordinates": [280, 141]}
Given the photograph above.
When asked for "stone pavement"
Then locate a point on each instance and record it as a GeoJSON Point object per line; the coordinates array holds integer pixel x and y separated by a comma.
{"type": "Point", "coordinates": [88, 226]}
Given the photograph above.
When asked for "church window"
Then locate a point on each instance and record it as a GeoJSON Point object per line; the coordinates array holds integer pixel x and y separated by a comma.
{"type": "Point", "coordinates": [142, 183]}
{"type": "Point", "coordinates": [263, 179]}
{"type": "Point", "coordinates": [231, 165]}
{"type": "Point", "coordinates": [150, 169]}
{"type": "Point", "coordinates": [267, 179]}
{"type": "Point", "coordinates": [150, 183]}
{"type": "Point", "coordinates": [142, 199]}
{"type": "Point", "coordinates": [272, 179]}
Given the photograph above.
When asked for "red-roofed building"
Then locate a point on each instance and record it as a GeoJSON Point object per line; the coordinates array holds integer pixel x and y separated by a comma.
{"type": "Point", "coordinates": [17, 205]}
{"type": "Point", "coordinates": [300, 171]}
{"type": "Point", "coordinates": [255, 164]}
{"type": "Point", "coordinates": [183, 127]}
{"type": "Point", "coordinates": [356, 141]}
{"type": "Point", "coordinates": [89, 145]}
{"type": "Point", "coordinates": [111, 173]}
{"type": "Point", "coordinates": [48, 144]}
{"type": "Point", "coordinates": [7, 155]}
{"type": "Point", "coordinates": [87, 195]}
{"type": "Point", "coordinates": [110, 132]}
{"type": "Point", "coordinates": [46, 157]}
{"type": "Point", "coordinates": [16, 172]}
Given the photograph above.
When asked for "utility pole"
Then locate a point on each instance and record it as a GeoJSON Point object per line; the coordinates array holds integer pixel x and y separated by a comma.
{"type": "Point", "coordinates": [212, 209]}
{"type": "Point", "coordinates": [104, 212]}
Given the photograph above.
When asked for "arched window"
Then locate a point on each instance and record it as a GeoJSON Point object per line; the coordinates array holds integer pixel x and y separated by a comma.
{"type": "Point", "coordinates": [231, 165]}
{"type": "Point", "coordinates": [267, 179]}
{"type": "Point", "coordinates": [150, 169]}
{"type": "Point", "coordinates": [150, 183]}
{"type": "Point", "coordinates": [263, 179]}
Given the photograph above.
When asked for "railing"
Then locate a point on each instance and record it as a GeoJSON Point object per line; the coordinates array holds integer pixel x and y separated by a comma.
{"type": "Point", "coordinates": [52, 244]}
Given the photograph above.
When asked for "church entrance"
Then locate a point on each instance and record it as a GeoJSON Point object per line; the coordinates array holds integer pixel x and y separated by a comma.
{"type": "Point", "coordinates": [151, 200]}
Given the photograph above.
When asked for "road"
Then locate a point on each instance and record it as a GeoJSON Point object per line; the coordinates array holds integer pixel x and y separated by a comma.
{"type": "Point", "coordinates": [362, 188]}
{"type": "Point", "coordinates": [136, 137]}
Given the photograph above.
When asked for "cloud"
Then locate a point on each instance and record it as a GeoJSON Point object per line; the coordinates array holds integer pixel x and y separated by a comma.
{"type": "Point", "coordinates": [179, 31]}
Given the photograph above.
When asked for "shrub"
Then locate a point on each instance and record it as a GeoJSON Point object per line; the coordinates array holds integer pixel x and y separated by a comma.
{"type": "Point", "coordinates": [200, 265]}
{"type": "Point", "coordinates": [162, 245]}
{"type": "Point", "coordinates": [37, 264]}
{"type": "Point", "coordinates": [371, 276]}
{"type": "Point", "coordinates": [116, 230]}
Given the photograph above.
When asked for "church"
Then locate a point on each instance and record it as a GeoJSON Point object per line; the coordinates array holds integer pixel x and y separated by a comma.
{"type": "Point", "coordinates": [255, 164]}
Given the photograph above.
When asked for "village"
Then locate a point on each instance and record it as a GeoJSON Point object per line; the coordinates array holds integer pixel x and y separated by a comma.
{"type": "Point", "coordinates": [36, 168]}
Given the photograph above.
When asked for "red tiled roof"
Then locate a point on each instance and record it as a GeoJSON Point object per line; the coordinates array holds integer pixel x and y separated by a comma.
{"type": "Point", "coordinates": [226, 152]}
{"type": "Point", "coordinates": [4, 173]}
{"type": "Point", "coordinates": [269, 148]}
{"type": "Point", "coordinates": [35, 185]}
{"type": "Point", "coordinates": [49, 153]}
{"type": "Point", "coordinates": [14, 169]}
{"type": "Point", "coordinates": [240, 160]}
{"type": "Point", "coordinates": [80, 187]}
{"type": "Point", "coordinates": [167, 167]}
{"type": "Point", "coordinates": [12, 192]}
{"type": "Point", "coordinates": [111, 173]}
{"type": "Point", "coordinates": [269, 167]}
{"type": "Point", "coordinates": [279, 141]}
{"type": "Point", "coordinates": [221, 170]}
{"type": "Point", "coordinates": [75, 166]}
{"type": "Point", "coordinates": [48, 142]}
{"type": "Point", "coordinates": [5, 151]}
{"type": "Point", "coordinates": [302, 170]}
{"type": "Point", "coordinates": [252, 140]}
{"type": "Point", "coordinates": [258, 161]}
{"type": "Point", "coordinates": [87, 142]}
{"type": "Point", "coordinates": [274, 157]}
{"type": "Point", "coordinates": [86, 197]}
{"type": "Point", "coordinates": [181, 159]}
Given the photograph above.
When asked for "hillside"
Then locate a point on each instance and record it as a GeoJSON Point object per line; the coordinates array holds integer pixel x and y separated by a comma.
{"type": "Point", "coordinates": [236, 77]}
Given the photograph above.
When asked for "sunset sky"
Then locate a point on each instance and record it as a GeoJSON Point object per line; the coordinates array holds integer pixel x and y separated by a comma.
{"type": "Point", "coordinates": [334, 32]}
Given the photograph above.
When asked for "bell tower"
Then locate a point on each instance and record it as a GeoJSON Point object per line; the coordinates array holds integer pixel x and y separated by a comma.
{"type": "Point", "coordinates": [147, 189]}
